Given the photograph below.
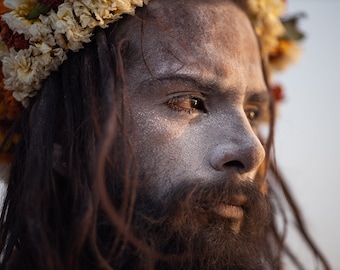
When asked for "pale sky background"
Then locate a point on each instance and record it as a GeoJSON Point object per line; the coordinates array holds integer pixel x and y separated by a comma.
{"type": "Point", "coordinates": [308, 131]}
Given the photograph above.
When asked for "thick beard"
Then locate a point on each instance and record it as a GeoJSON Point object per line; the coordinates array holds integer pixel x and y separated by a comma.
{"type": "Point", "coordinates": [185, 233]}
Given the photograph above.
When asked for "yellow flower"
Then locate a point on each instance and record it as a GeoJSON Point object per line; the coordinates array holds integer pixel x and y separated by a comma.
{"type": "Point", "coordinates": [265, 16]}
{"type": "Point", "coordinates": [285, 53]}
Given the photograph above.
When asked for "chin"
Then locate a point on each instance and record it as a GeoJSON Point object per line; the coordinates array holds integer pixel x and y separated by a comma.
{"type": "Point", "coordinates": [222, 227]}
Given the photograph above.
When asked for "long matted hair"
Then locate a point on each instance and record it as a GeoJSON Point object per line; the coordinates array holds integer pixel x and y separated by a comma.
{"type": "Point", "coordinates": [59, 211]}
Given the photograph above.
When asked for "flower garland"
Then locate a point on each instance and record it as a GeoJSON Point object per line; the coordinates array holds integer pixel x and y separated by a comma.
{"type": "Point", "coordinates": [278, 36]}
{"type": "Point", "coordinates": [39, 33]}
{"type": "Point", "coordinates": [36, 35]}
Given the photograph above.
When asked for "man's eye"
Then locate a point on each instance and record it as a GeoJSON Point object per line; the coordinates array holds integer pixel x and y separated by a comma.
{"type": "Point", "coordinates": [253, 114]}
{"type": "Point", "coordinates": [187, 103]}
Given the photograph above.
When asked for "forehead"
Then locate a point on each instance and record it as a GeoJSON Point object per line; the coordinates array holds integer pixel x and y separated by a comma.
{"type": "Point", "coordinates": [211, 39]}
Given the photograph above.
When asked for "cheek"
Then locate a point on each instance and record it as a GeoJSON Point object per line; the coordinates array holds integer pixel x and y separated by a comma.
{"type": "Point", "coordinates": [160, 140]}
{"type": "Point", "coordinates": [157, 130]}
{"type": "Point", "coordinates": [168, 150]}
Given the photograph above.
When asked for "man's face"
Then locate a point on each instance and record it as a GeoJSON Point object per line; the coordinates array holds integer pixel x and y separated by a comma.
{"type": "Point", "coordinates": [197, 95]}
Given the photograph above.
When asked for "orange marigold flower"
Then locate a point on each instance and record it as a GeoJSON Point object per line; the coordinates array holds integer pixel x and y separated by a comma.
{"type": "Point", "coordinates": [281, 49]}
{"type": "Point", "coordinates": [10, 108]}
{"type": "Point", "coordinates": [277, 92]}
{"type": "Point", "coordinates": [3, 9]}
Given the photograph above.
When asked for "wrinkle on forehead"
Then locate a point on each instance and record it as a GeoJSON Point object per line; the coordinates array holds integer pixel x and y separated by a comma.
{"type": "Point", "coordinates": [198, 20]}
{"type": "Point", "coordinates": [189, 30]}
{"type": "Point", "coordinates": [206, 38]}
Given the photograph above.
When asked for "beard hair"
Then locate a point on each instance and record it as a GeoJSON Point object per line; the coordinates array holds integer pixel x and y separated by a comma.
{"type": "Point", "coordinates": [184, 232]}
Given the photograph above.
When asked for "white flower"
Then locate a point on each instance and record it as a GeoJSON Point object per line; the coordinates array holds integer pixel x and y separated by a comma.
{"type": "Point", "coordinates": [33, 32]}
{"type": "Point", "coordinates": [125, 6]}
{"type": "Point", "coordinates": [67, 31]}
{"type": "Point", "coordinates": [137, 3]}
{"type": "Point", "coordinates": [59, 56]}
{"type": "Point", "coordinates": [44, 48]}
{"type": "Point", "coordinates": [84, 14]}
{"type": "Point", "coordinates": [96, 13]}
{"type": "Point", "coordinates": [50, 37]}
{"type": "Point", "coordinates": [25, 70]}
{"type": "Point", "coordinates": [19, 72]}
{"type": "Point", "coordinates": [16, 22]}
{"type": "Point", "coordinates": [15, 4]}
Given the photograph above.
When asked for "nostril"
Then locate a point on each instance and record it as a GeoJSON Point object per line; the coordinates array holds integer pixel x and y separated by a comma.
{"type": "Point", "coordinates": [234, 163]}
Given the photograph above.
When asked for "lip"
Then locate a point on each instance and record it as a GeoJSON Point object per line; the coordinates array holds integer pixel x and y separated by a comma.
{"type": "Point", "coordinates": [230, 211]}
{"type": "Point", "coordinates": [233, 209]}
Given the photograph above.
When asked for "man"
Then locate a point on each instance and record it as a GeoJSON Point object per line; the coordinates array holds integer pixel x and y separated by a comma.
{"type": "Point", "coordinates": [144, 150]}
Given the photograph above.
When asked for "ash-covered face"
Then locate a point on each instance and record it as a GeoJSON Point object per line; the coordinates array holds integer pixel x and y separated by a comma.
{"type": "Point", "coordinates": [196, 97]}
{"type": "Point", "coordinates": [197, 93]}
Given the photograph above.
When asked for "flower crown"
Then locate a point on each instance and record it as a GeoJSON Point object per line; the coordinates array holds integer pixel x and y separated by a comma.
{"type": "Point", "coordinates": [36, 35]}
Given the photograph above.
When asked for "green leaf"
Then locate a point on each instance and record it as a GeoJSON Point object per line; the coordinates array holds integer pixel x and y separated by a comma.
{"type": "Point", "coordinates": [40, 8]}
{"type": "Point", "coordinates": [292, 30]}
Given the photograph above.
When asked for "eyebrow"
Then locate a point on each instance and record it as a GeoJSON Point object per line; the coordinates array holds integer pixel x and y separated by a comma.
{"type": "Point", "coordinates": [258, 97]}
{"type": "Point", "coordinates": [196, 81]}
{"type": "Point", "coordinates": [210, 85]}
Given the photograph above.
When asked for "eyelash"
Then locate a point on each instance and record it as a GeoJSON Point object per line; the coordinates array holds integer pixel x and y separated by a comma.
{"type": "Point", "coordinates": [191, 104]}
{"type": "Point", "coordinates": [254, 115]}
{"type": "Point", "coordinates": [187, 103]}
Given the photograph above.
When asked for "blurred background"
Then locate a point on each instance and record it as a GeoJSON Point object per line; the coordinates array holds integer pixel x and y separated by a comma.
{"type": "Point", "coordinates": [308, 129]}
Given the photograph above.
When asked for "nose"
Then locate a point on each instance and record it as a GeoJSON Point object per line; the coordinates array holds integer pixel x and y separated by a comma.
{"type": "Point", "coordinates": [238, 149]}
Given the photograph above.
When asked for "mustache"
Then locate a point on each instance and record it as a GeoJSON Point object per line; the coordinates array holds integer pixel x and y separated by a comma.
{"type": "Point", "coordinates": [182, 225]}
{"type": "Point", "coordinates": [188, 197]}
{"type": "Point", "coordinates": [179, 229]}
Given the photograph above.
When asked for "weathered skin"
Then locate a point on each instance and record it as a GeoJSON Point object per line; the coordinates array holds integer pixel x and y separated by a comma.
{"type": "Point", "coordinates": [209, 56]}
